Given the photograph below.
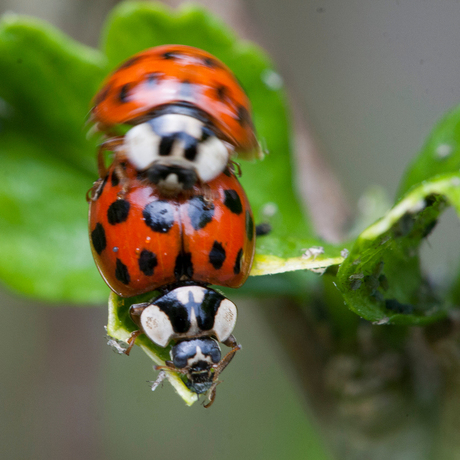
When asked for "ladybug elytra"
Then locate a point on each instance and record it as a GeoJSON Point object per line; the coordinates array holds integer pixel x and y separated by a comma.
{"type": "Point", "coordinates": [187, 114]}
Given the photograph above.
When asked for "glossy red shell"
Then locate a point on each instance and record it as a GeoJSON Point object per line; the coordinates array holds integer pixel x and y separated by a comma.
{"type": "Point", "coordinates": [174, 74]}
{"type": "Point", "coordinates": [144, 240]}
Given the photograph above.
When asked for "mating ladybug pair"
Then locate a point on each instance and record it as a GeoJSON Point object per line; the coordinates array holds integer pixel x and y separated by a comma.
{"type": "Point", "coordinates": [169, 213]}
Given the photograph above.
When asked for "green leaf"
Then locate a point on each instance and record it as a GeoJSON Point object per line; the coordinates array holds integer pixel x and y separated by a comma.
{"type": "Point", "coordinates": [440, 154]}
{"type": "Point", "coordinates": [47, 162]}
{"type": "Point", "coordinates": [381, 278]}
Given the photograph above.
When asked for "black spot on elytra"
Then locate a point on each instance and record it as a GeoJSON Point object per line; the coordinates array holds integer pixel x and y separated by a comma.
{"type": "Point", "coordinates": [115, 179]}
{"type": "Point", "coordinates": [171, 55]}
{"type": "Point", "coordinates": [249, 226]}
{"type": "Point", "coordinates": [210, 62]}
{"type": "Point", "coordinates": [98, 238]}
{"type": "Point", "coordinates": [184, 266]}
{"type": "Point", "coordinates": [118, 212]}
{"type": "Point", "coordinates": [217, 255]}
{"type": "Point", "coordinates": [237, 266]}
{"type": "Point", "coordinates": [147, 262]}
{"type": "Point", "coordinates": [122, 273]}
{"type": "Point", "coordinates": [233, 202]}
{"type": "Point", "coordinates": [186, 89]}
{"type": "Point", "coordinates": [222, 92]}
{"type": "Point", "coordinates": [200, 212]}
{"type": "Point", "coordinates": [166, 145]}
{"type": "Point", "coordinates": [123, 93]}
{"type": "Point", "coordinates": [159, 216]}
{"type": "Point", "coordinates": [244, 118]}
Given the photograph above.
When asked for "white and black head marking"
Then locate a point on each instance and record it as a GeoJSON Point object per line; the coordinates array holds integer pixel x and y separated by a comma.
{"type": "Point", "coordinates": [175, 151]}
{"type": "Point", "coordinates": [188, 312]}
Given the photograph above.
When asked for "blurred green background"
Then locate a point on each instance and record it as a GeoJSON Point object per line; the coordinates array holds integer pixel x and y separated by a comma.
{"type": "Point", "coordinates": [372, 79]}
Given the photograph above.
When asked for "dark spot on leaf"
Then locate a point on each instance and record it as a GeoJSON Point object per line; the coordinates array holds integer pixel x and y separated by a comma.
{"type": "Point", "coordinates": [263, 229]}
{"type": "Point", "coordinates": [397, 307]}
{"type": "Point", "coordinates": [383, 280]}
{"type": "Point", "coordinates": [404, 226]}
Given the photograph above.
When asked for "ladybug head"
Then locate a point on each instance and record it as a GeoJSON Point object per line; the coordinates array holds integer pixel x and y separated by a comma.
{"type": "Point", "coordinates": [176, 151]}
{"type": "Point", "coordinates": [197, 359]}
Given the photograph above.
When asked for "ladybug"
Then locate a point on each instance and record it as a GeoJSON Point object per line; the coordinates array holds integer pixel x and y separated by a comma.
{"type": "Point", "coordinates": [141, 241]}
{"type": "Point", "coordinates": [194, 317]}
{"type": "Point", "coordinates": [177, 114]}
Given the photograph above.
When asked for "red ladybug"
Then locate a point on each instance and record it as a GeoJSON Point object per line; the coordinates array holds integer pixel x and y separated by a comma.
{"type": "Point", "coordinates": [188, 115]}
{"type": "Point", "coordinates": [141, 241]}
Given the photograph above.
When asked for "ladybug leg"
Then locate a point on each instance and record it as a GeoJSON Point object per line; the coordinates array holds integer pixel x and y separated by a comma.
{"type": "Point", "coordinates": [101, 168]}
{"type": "Point", "coordinates": [109, 145]}
{"type": "Point", "coordinates": [209, 196]}
{"type": "Point", "coordinates": [119, 169]}
{"type": "Point", "coordinates": [224, 362]}
{"type": "Point", "coordinates": [235, 168]}
{"type": "Point", "coordinates": [211, 394]}
{"type": "Point", "coordinates": [131, 341]}
{"type": "Point", "coordinates": [169, 366]}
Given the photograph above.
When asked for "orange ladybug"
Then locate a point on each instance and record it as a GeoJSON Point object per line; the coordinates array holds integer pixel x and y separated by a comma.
{"type": "Point", "coordinates": [141, 242]}
{"type": "Point", "coordinates": [187, 115]}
